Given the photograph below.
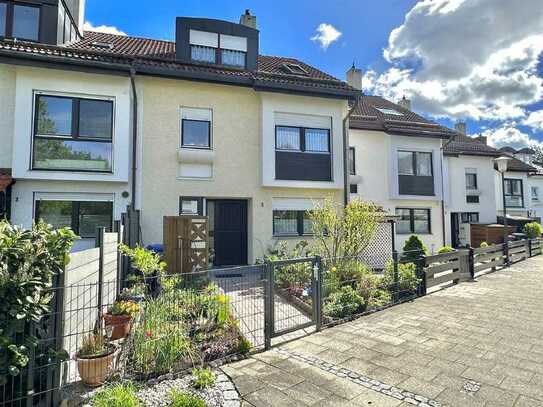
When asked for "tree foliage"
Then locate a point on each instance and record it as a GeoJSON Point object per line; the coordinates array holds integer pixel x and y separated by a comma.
{"type": "Point", "coordinates": [28, 261]}
{"type": "Point", "coordinates": [344, 232]}
{"type": "Point", "coordinates": [533, 230]}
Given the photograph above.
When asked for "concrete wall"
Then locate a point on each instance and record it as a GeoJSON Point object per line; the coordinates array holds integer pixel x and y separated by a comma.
{"type": "Point", "coordinates": [7, 110]}
{"type": "Point", "coordinates": [237, 148]}
{"type": "Point", "coordinates": [376, 176]}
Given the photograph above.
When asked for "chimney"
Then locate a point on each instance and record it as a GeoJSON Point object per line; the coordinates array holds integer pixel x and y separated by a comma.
{"type": "Point", "coordinates": [405, 103]}
{"type": "Point", "coordinates": [354, 77]}
{"type": "Point", "coordinates": [247, 19]}
{"type": "Point", "coordinates": [460, 127]}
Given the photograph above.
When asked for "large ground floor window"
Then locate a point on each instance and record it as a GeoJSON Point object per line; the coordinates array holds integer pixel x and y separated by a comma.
{"type": "Point", "coordinates": [413, 220]}
{"type": "Point", "coordinates": [292, 223]}
{"type": "Point", "coordinates": [83, 217]}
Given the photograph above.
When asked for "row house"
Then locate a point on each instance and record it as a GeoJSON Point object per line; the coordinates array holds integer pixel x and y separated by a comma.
{"type": "Point", "coordinates": [204, 125]}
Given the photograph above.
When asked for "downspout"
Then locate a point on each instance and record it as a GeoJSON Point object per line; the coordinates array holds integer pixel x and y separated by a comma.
{"type": "Point", "coordinates": [134, 134]}
{"type": "Point", "coordinates": [345, 152]}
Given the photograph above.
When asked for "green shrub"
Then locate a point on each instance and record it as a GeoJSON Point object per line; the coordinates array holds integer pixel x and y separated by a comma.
{"type": "Point", "coordinates": [146, 261]}
{"type": "Point", "coordinates": [244, 346]}
{"type": "Point", "coordinates": [483, 244]}
{"type": "Point", "coordinates": [180, 399]}
{"type": "Point", "coordinates": [407, 277]}
{"type": "Point", "coordinates": [533, 230]}
{"type": "Point", "coordinates": [117, 395]}
{"type": "Point", "coordinates": [29, 259]}
{"type": "Point", "coordinates": [349, 272]}
{"type": "Point", "coordinates": [379, 298]}
{"type": "Point", "coordinates": [445, 249]}
{"type": "Point", "coordinates": [291, 275]}
{"type": "Point", "coordinates": [413, 248]}
{"type": "Point", "coordinates": [343, 303]}
{"type": "Point", "coordinates": [203, 378]}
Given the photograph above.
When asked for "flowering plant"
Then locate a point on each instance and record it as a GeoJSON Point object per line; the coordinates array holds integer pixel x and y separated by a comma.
{"type": "Point", "coordinates": [124, 308]}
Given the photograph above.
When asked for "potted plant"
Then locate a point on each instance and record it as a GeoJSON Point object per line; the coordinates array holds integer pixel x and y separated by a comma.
{"type": "Point", "coordinates": [95, 359]}
{"type": "Point", "coordinates": [119, 317]}
{"type": "Point", "coordinates": [149, 264]}
{"type": "Point", "coordinates": [134, 293]}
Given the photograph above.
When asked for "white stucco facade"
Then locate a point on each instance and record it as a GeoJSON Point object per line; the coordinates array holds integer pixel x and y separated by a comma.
{"type": "Point", "coordinates": [376, 167]}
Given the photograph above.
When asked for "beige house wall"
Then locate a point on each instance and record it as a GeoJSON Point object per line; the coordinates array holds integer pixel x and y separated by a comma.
{"type": "Point", "coordinates": [7, 113]}
{"type": "Point", "coordinates": [237, 155]}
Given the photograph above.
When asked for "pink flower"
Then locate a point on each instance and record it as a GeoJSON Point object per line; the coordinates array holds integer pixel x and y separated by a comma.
{"type": "Point", "coordinates": [148, 334]}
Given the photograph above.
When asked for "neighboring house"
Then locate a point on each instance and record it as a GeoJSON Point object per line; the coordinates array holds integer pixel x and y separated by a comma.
{"type": "Point", "coordinates": [395, 160]}
{"type": "Point", "coordinates": [470, 195]}
{"type": "Point", "coordinates": [524, 191]}
{"type": "Point", "coordinates": [64, 122]}
{"type": "Point", "coordinates": [251, 141]}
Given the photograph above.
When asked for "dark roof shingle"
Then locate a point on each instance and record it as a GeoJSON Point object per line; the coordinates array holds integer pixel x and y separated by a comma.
{"type": "Point", "coordinates": [465, 145]}
{"type": "Point", "coordinates": [158, 57]}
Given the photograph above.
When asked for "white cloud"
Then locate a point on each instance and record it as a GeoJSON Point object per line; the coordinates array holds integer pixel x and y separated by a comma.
{"type": "Point", "coordinates": [509, 135]}
{"type": "Point", "coordinates": [326, 35]}
{"type": "Point", "coordinates": [108, 29]}
{"type": "Point", "coordinates": [534, 120]}
{"type": "Point", "coordinates": [465, 59]}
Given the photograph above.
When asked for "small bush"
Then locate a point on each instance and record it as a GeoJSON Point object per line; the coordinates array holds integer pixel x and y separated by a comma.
{"type": "Point", "coordinates": [343, 303]}
{"type": "Point", "coordinates": [483, 244]}
{"type": "Point", "coordinates": [244, 346]}
{"type": "Point", "coordinates": [203, 378]}
{"type": "Point", "coordinates": [117, 395]}
{"type": "Point", "coordinates": [407, 277]}
{"type": "Point", "coordinates": [413, 248]}
{"type": "Point", "coordinates": [533, 230]}
{"type": "Point", "coordinates": [180, 399]}
{"type": "Point", "coordinates": [445, 249]}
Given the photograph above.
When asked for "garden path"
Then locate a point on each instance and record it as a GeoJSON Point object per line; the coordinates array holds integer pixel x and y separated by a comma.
{"type": "Point", "coordinates": [474, 344]}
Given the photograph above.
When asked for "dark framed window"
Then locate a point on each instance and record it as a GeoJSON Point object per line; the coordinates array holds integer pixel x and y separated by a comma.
{"type": "Point", "coordinates": [535, 193]}
{"type": "Point", "coordinates": [292, 223]}
{"type": "Point", "coordinates": [189, 205]}
{"type": "Point", "coordinates": [195, 133]}
{"type": "Point", "coordinates": [302, 139]}
{"type": "Point", "coordinates": [353, 188]}
{"type": "Point", "coordinates": [469, 217]}
{"type": "Point", "coordinates": [221, 56]}
{"type": "Point", "coordinates": [413, 220]}
{"type": "Point", "coordinates": [471, 180]}
{"type": "Point", "coordinates": [83, 217]}
{"type": "Point", "coordinates": [72, 134]}
{"type": "Point", "coordinates": [19, 20]}
{"type": "Point", "coordinates": [472, 199]}
{"type": "Point", "coordinates": [415, 163]}
{"type": "Point", "coordinates": [514, 193]}
{"type": "Point", "coordinates": [352, 161]}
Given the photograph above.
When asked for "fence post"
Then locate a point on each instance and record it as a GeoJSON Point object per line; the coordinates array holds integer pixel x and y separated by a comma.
{"type": "Point", "coordinates": [268, 305]}
{"type": "Point", "coordinates": [317, 273]}
{"type": "Point", "coordinates": [100, 242]}
{"type": "Point", "coordinates": [117, 229]}
{"type": "Point", "coordinates": [59, 332]}
{"type": "Point", "coordinates": [395, 276]}
{"type": "Point", "coordinates": [471, 263]}
{"type": "Point", "coordinates": [528, 245]}
{"type": "Point", "coordinates": [420, 263]}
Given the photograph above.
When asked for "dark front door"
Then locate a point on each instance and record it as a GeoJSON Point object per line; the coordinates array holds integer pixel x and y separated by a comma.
{"type": "Point", "coordinates": [230, 232]}
{"type": "Point", "coordinates": [455, 229]}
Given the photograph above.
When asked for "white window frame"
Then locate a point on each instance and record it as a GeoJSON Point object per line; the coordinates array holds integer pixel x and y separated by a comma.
{"type": "Point", "coordinates": [196, 114]}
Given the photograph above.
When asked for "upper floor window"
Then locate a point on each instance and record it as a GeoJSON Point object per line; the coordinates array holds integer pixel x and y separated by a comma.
{"type": "Point", "coordinates": [415, 173]}
{"type": "Point", "coordinates": [195, 128]}
{"type": "Point", "coordinates": [514, 196]}
{"type": "Point", "coordinates": [302, 139]}
{"type": "Point", "coordinates": [73, 134]}
{"type": "Point", "coordinates": [214, 48]}
{"type": "Point", "coordinates": [19, 21]}
{"type": "Point", "coordinates": [352, 162]}
{"type": "Point", "coordinates": [535, 194]}
{"type": "Point", "coordinates": [471, 179]}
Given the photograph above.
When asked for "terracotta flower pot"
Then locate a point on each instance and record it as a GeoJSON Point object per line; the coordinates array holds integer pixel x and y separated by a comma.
{"type": "Point", "coordinates": [121, 325]}
{"type": "Point", "coordinates": [95, 371]}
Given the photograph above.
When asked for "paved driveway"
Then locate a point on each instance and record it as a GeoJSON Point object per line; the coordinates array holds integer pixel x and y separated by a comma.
{"type": "Point", "coordinates": [476, 344]}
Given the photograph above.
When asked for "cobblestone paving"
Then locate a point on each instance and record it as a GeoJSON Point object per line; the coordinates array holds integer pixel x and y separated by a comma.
{"type": "Point", "coordinates": [475, 344]}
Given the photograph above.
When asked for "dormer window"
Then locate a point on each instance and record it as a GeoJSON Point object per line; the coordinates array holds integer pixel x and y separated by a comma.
{"type": "Point", "coordinates": [19, 21]}
{"type": "Point", "coordinates": [222, 49]}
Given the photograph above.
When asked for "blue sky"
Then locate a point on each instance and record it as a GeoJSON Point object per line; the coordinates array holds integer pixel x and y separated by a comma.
{"type": "Point", "coordinates": [472, 60]}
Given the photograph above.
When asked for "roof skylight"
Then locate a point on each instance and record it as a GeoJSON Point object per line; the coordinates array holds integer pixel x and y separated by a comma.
{"type": "Point", "coordinates": [295, 69]}
{"type": "Point", "coordinates": [386, 110]}
{"type": "Point", "coordinates": [103, 45]}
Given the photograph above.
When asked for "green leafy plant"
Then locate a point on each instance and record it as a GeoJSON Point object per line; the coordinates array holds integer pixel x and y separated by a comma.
{"type": "Point", "coordinates": [94, 345]}
{"type": "Point", "coordinates": [203, 378]}
{"type": "Point", "coordinates": [181, 399]}
{"type": "Point", "coordinates": [29, 259]}
{"type": "Point", "coordinates": [413, 248]}
{"type": "Point", "coordinates": [533, 230]}
{"type": "Point", "coordinates": [146, 261]}
{"type": "Point", "coordinates": [124, 307]}
{"type": "Point", "coordinates": [445, 249]}
{"type": "Point", "coordinates": [343, 303]}
{"type": "Point", "coordinates": [483, 244]}
{"type": "Point", "coordinates": [244, 346]}
{"type": "Point", "coordinates": [291, 276]}
{"type": "Point", "coordinates": [117, 395]}
{"type": "Point", "coordinates": [407, 278]}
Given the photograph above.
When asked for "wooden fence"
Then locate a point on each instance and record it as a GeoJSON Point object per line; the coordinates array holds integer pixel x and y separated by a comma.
{"type": "Point", "coordinates": [466, 264]}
